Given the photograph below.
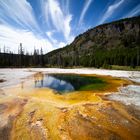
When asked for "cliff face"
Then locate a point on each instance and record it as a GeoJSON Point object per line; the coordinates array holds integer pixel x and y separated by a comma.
{"type": "Point", "coordinates": [110, 35]}
{"type": "Point", "coordinates": [116, 43]}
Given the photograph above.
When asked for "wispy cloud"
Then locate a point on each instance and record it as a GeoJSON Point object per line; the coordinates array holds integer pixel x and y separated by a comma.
{"type": "Point", "coordinates": [48, 23]}
{"type": "Point", "coordinates": [61, 21]}
{"type": "Point", "coordinates": [133, 12]}
{"type": "Point", "coordinates": [65, 6]}
{"type": "Point", "coordinates": [110, 10]}
{"type": "Point", "coordinates": [86, 6]}
{"type": "Point", "coordinates": [19, 25]}
{"type": "Point", "coordinates": [19, 12]}
{"type": "Point", "coordinates": [50, 36]}
{"type": "Point", "coordinates": [12, 37]}
{"type": "Point", "coordinates": [55, 42]}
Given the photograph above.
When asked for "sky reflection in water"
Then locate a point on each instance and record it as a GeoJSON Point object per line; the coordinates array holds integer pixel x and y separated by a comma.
{"type": "Point", "coordinates": [66, 83]}
{"type": "Point", "coordinates": [52, 82]}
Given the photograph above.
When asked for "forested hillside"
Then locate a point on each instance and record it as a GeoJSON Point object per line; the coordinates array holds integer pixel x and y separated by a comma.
{"type": "Point", "coordinates": [22, 59]}
{"type": "Point", "coordinates": [116, 43]}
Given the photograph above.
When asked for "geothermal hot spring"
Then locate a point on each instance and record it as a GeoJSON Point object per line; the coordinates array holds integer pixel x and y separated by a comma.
{"type": "Point", "coordinates": [49, 104]}
{"type": "Point", "coordinates": [64, 83]}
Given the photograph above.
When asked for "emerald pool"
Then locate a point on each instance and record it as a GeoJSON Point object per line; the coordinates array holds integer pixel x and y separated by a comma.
{"type": "Point", "coordinates": [70, 82]}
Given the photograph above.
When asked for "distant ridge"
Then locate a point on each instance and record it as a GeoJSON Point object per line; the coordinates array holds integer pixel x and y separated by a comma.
{"type": "Point", "coordinates": [115, 43]}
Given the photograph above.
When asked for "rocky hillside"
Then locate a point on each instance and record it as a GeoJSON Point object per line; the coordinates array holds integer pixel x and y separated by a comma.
{"type": "Point", "coordinates": [116, 43]}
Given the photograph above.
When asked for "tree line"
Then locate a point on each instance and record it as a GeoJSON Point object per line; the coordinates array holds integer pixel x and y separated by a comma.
{"type": "Point", "coordinates": [22, 59]}
{"type": "Point", "coordinates": [90, 58]}
{"type": "Point", "coordinates": [98, 58]}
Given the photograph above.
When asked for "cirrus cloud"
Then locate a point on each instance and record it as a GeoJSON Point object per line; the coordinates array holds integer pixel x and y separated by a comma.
{"type": "Point", "coordinates": [12, 37]}
{"type": "Point", "coordinates": [110, 10]}
{"type": "Point", "coordinates": [135, 11]}
{"type": "Point", "coordinates": [86, 6]}
{"type": "Point", "coordinates": [18, 12]}
{"type": "Point", "coordinates": [55, 15]}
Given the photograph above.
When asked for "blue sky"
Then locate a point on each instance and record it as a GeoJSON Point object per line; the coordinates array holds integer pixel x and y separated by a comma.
{"type": "Point", "coordinates": [52, 24]}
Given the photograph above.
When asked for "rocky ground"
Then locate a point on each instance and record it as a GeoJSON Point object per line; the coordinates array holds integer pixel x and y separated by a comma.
{"type": "Point", "coordinates": [41, 114]}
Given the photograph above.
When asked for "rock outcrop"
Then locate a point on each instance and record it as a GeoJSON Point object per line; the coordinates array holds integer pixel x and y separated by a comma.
{"type": "Point", "coordinates": [116, 43]}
